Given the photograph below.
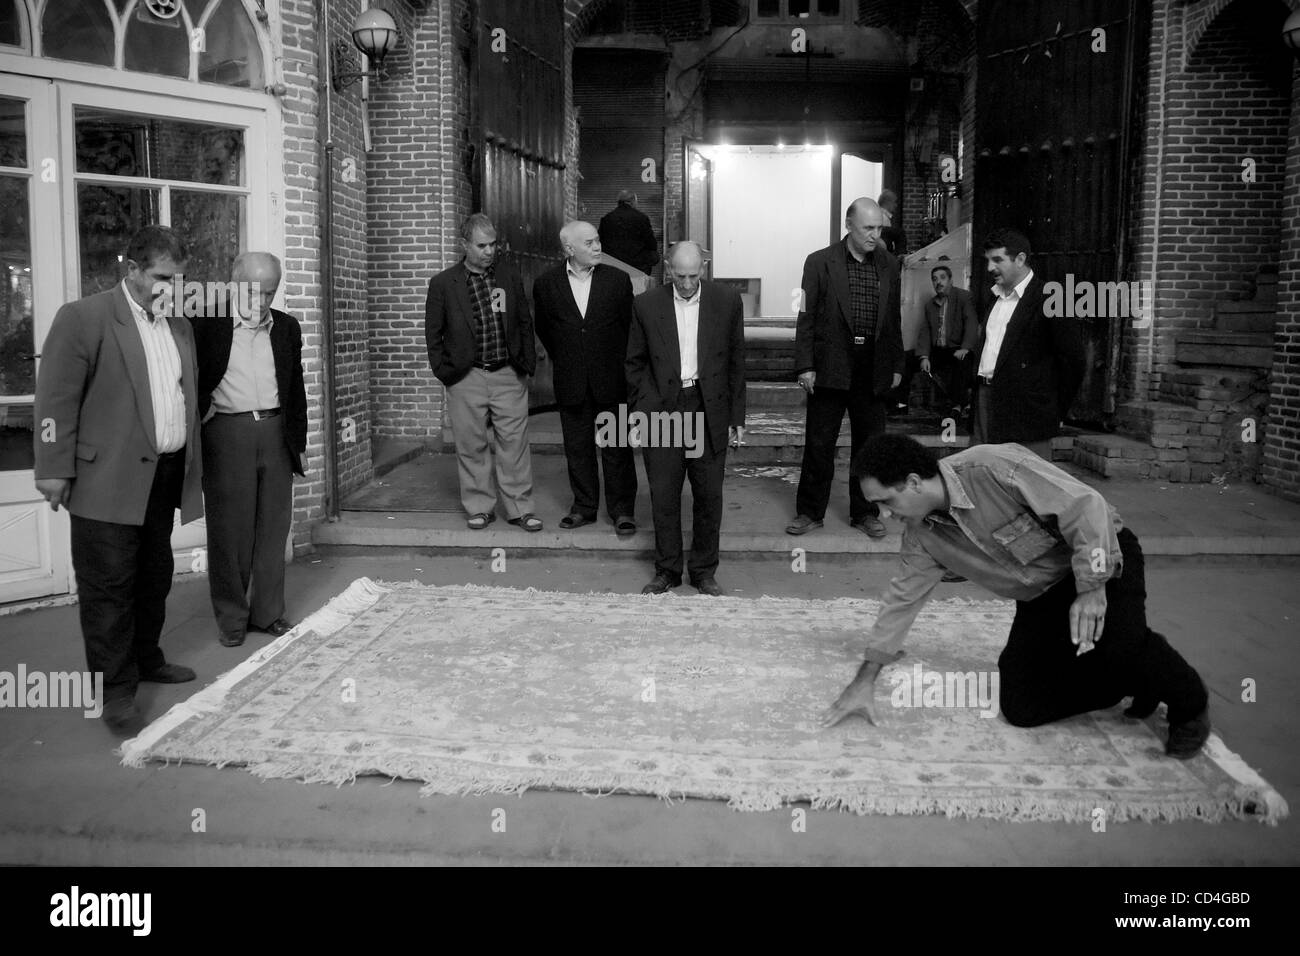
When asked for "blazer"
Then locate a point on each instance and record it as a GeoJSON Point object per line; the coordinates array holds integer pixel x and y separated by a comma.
{"type": "Point", "coordinates": [654, 358]}
{"type": "Point", "coordinates": [212, 340]}
{"type": "Point", "coordinates": [93, 389]}
{"type": "Point", "coordinates": [961, 312]}
{"type": "Point", "coordinates": [1039, 369]}
{"type": "Point", "coordinates": [823, 341]}
{"type": "Point", "coordinates": [626, 234]}
{"type": "Point", "coordinates": [588, 353]}
{"type": "Point", "coordinates": [450, 331]}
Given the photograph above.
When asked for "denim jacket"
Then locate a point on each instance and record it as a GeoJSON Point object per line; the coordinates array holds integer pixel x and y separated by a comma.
{"type": "Point", "coordinates": [1016, 524]}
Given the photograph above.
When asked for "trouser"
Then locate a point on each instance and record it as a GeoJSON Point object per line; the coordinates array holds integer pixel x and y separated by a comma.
{"type": "Point", "coordinates": [953, 375]}
{"type": "Point", "coordinates": [578, 424]}
{"type": "Point", "coordinates": [248, 497]}
{"type": "Point", "coordinates": [667, 469]}
{"type": "Point", "coordinates": [124, 574]}
{"type": "Point", "coordinates": [1042, 679]}
{"type": "Point", "coordinates": [504, 395]}
{"type": "Point", "coordinates": [981, 426]}
{"type": "Point", "coordinates": [826, 407]}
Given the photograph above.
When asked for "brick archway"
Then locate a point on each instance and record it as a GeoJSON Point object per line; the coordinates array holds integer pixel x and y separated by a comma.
{"type": "Point", "coordinates": [1202, 14]}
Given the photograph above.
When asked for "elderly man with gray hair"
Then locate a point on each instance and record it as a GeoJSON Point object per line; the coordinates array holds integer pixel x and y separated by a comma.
{"type": "Point", "coordinates": [254, 409]}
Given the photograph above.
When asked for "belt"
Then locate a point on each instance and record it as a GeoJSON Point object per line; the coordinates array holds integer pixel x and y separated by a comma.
{"type": "Point", "coordinates": [257, 415]}
{"type": "Point", "coordinates": [170, 455]}
{"type": "Point", "coordinates": [859, 340]}
{"type": "Point", "coordinates": [689, 382]}
{"type": "Point", "coordinates": [986, 379]}
{"type": "Point", "coordinates": [492, 366]}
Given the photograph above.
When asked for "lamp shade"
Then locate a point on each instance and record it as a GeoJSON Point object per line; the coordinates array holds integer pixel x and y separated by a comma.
{"type": "Point", "coordinates": [1291, 32]}
{"type": "Point", "coordinates": [375, 34]}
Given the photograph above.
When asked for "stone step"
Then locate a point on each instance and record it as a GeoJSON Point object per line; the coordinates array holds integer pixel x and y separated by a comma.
{"type": "Point", "coordinates": [1219, 348]}
{"type": "Point", "coordinates": [774, 395]}
{"type": "Point", "coordinates": [770, 322]}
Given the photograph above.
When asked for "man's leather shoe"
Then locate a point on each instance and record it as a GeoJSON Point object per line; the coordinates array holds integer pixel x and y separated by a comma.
{"type": "Point", "coordinates": [1187, 738]}
{"type": "Point", "coordinates": [708, 586]}
{"type": "Point", "coordinates": [950, 578]}
{"type": "Point", "coordinates": [659, 584]}
{"type": "Point", "coordinates": [277, 628]}
{"type": "Point", "coordinates": [122, 717]}
{"type": "Point", "coordinates": [231, 638]}
{"type": "Point", "coordinates": [169, 674]}
{"type": "Point", "coordinates": [871, 527]}
{"type": "Point", "coordinates": [802, 525]}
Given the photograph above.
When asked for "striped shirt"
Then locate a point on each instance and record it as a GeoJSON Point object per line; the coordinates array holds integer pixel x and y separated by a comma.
{"type": "Point", "coordinates": [164, 363]}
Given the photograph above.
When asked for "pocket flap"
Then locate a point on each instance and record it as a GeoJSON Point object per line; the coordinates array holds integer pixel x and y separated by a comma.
{"type": "Point", "coordinates": [86, 452]}
{"type": "Point", "coordinates": [1025, 538]}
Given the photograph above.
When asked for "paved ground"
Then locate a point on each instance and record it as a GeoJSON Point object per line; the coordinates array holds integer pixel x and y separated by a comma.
{"type": "Point", "coordinates": [64, 799]}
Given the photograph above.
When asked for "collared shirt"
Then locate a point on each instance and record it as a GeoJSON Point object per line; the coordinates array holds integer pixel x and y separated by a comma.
{"type": "Point", "coordinates": [941, 303]}
{"type": "Point", "coordinates": [249, 383]}
{"type": "Point", "coordinates": [864, 293]}
{"type": "Point", "coordinates": [580, 283]}
{"type": "Point", "coordinates": [688, 330]}
{"type": "Point", "coordinates": [163, 360]}
{"type": "Point", "coordinates": [1015, 524]}
{"type": "Point", "coordinates": [489, 324]}
{"type": "Point", "coordinates": [999, 318]}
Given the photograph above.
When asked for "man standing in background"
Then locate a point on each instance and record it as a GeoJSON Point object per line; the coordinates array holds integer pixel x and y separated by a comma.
{"type": "Point", "coordinates": [947, 338]}
{"type": "Point", "coordinates": [626, 234]}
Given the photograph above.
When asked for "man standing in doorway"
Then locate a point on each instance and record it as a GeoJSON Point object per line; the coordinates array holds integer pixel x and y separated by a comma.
{"type": "Point", "coordinates": [848, 354]}
{"type": "Point", "coordinates": [686, 359]}
{"type": "Point", "coordinates": [479, 332]}
{"type": "Point", "coordinates": [626, 234]}
{"type": "Point", "coordinates": [947, 338]}
{"type": "Point", "coordinates": [118, 388]}
{"type": "Point", "coordinates": [1029, 365]}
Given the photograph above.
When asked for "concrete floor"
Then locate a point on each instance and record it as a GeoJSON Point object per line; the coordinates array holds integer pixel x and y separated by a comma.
{"type": "Point", "coordinates": [64, 798]}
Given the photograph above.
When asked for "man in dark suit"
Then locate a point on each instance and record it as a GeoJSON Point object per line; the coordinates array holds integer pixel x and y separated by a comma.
{"type": "Point", "coordinates": [947, 338]}
{"type": "Point", "coordinates": [1030, 365]}
{"type": "Point", "coordinates": [686, 366]}
{"type": "Point", "coordinates": [626, 234]}
{"type": "Point", "coordinates": [848, 354]}
{"type": "Point", "coordinates": [254, 409]}
{"type": "Point", "coordinates": [117, 400]}
{"type": "Point", "coordinates": [583, 311]}
{"type": "Point", "coordinates": [479, 332]}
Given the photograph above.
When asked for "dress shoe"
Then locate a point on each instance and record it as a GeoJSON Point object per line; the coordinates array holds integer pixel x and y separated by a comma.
{"type": "Point", "coordinates": [871, 527]}
{"type": "Point", "coordinates": [574, 520]}
{"type": "Point", "coordinates": [624, 526]}
{"type": "Point", "coordinates": [122, 717]}
{"type": "Point", "coordinates": [950, 578]}
{"type": "Point", "coordinates": [1187, 738]}
{"type": "Point", "coordinates": [659, 584]}
{"type": "Point", "coordinates": [231, 638]}
{"type": "Point", "coordinates": [169, 674]}
{"type": "Point", "coordinates": [708, 586]}
{"type": "Point", "coordinates": [802, 525]}
{"type": "Point", "coordinates": [277, 628]}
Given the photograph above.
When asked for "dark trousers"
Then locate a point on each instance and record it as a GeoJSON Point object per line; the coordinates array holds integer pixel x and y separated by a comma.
{"type": "Point", "coordinates": [248, 497]}
{"type": "Point", "coordinates": [667, 468]}
{"type": "Point", "coordinates": [982, 424]}
{"type": "Point", "coordinates": [953, 376]}
{"type": "Point", "coordinates": [578, 423]}
{"type": "Point", "coordinates": [124, 573]}
{"type": "Point", "coordinates": [826, 407]}
{"type": "Point", "coordinates": [1042, 678]}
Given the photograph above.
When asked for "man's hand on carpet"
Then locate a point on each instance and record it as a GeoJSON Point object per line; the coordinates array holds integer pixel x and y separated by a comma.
{"type": "Point", "coordinates": [858, 698]}
{"type": "Point", "coordinates": [1087, 618]}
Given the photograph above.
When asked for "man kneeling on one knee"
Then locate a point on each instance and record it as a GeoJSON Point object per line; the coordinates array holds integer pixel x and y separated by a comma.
{"type": "Point", "coordinates": [1023, 528]}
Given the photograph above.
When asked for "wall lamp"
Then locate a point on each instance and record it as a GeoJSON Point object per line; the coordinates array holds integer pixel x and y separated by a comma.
{"type": "Point", "coordinates": [374, 33]}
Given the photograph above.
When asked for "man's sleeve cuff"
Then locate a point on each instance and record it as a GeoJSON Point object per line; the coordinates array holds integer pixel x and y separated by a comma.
{"type": "Point", "coordinates": [875, 655]}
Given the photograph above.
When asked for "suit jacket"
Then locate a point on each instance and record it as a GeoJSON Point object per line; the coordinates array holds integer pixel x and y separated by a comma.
{"type": "Point", "coordinates": [964, 326]}
{"type": "Point", "coordinates": [626, 234]}
{"type": "Point", "coordinates": [93, 388]}
{"type": "Point", "coordinates": [824, 331]}
{"type": "Point", "coordinates": [1039, 369]}
{"type": "Point", "coordinates": [212, 340]}
{"type": "Point", "coordinates": [588, 353]}
{"type": "Point", "coordinates": [654, 358]}
{"type": "Point", "coordinates": [450, 331]}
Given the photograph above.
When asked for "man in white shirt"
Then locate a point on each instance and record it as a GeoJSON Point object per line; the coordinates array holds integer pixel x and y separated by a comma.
{"type": "Point", "coordinates": [1030, 365]}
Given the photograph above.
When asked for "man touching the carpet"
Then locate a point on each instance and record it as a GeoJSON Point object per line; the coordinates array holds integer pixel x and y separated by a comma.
{"type": "Point", "coordinates": [1026, 530]}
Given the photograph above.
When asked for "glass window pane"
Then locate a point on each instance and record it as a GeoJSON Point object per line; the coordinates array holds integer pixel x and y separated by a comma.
{"type": "Point", "coordinates": [125, 144]}
{"type": "Point", "coordinates": [16, 343]}
{"type": "Point", "coordinates": [828, 8]}
{"type": "Point", "coordinates": [231, 55]}
{"type": "Point", "coordinates": [13, 132]}
{"type": "Point", "coordinates": [212, 225]}
{"type": "Point", "coordinates": [11, 27]}
{"type": "Point", "coordinates": [16, 451]}
{"type": "Point", "coordinates": [107, 217]}
{"type": "Point", "coordinates": [799, 7]}
{"type": "Point", "coordinates": [78, 30]}
{"type": "Point", "coordinates": [157, 46]}
{"type": "Point", "coordinates": [769, 8]}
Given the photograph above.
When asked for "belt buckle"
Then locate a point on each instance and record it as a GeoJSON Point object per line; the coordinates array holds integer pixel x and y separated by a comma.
{"type": "Point", "coordinates": [257, 415]}
{"type": "Point", "coordinates": [859, 340]}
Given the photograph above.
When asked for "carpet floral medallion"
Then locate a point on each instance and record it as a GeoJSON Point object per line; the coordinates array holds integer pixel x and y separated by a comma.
{"type": "Point", "coordinates": [476, 690]}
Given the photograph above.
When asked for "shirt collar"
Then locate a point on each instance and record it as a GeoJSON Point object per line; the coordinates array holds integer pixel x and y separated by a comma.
{"type": "Point", "coordinates": [264, 323]}
{"type": "Point", "coordinates": [487, 273]}
{"type": "Point", "coordinates": [1019, 290]}
{"type": "Point", "coordinates": [851, 259]}
{"type": "Point", "coordinates": [693, 300]}
{"type": "Point", "coordinates": [583, 274]}
{"type": "Point", "coordinates": [957, 497]}
{"type": "Point", "coordinates": [137, 310]}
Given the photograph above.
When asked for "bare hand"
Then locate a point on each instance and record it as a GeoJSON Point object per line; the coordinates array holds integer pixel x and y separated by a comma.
{"type": "Point", "coordinates": [1087, 618]}
{"type": "Point", "coordinates": [857, 698]}
{"type": "Point", "coordinates": [736, 435]}
{"type": "Point", "coordinates": [807, 380]}
{"type": "Point", "coordinates": [897, 378]}
{"type": "Point", "coordinates": [56, 491]}
{"type": "Point", "coordinates": [961, 354]}
{"type": "Point", "coordinates": [925, 365]}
